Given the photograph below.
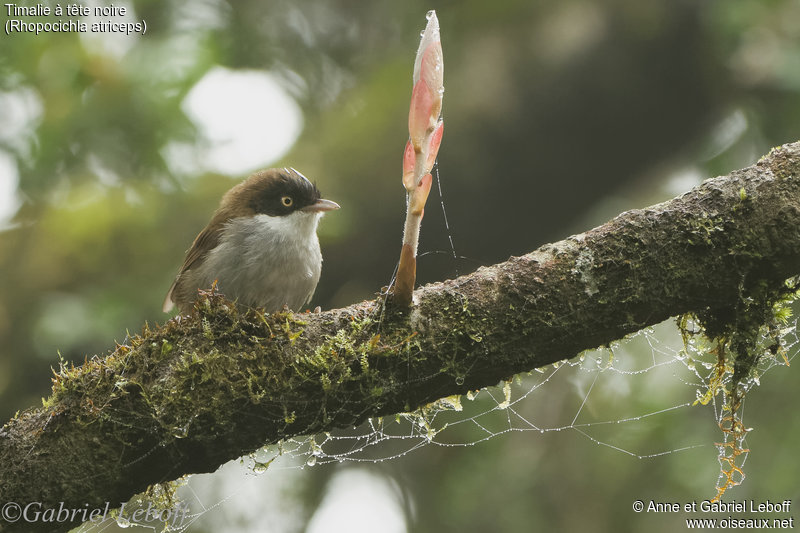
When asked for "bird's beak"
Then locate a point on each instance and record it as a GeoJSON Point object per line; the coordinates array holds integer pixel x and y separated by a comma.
{"type": "Point", "coordinates": [321, 206]}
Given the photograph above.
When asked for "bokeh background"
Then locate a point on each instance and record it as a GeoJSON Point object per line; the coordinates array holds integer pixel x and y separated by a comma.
{"type": "Point", "coordinates": [115, 149]}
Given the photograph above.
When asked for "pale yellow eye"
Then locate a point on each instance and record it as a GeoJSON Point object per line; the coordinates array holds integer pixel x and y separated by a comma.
{"type": "Point", "coordinates": [287, 201]}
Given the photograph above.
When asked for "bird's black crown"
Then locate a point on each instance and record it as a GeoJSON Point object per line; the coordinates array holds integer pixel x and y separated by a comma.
{"type": "Point", "coordinates": [284, 192]}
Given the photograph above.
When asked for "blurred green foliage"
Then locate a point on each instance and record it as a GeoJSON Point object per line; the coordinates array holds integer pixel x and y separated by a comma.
{"type": "Point", "coordinates": [558, 115]}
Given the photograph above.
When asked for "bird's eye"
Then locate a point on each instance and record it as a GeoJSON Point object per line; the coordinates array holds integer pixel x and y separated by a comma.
{"type": "Point", "coordinates": [287, 201]}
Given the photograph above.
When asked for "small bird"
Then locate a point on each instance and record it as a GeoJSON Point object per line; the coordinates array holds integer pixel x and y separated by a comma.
{"type": "Point", "coordinates": [261, 246]}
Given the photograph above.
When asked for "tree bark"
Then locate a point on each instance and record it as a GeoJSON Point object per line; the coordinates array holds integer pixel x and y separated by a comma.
{"type": "Point", "coordinates": [197, 392]}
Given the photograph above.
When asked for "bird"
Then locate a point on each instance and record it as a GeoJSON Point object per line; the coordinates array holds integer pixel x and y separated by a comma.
{"type": "Point", "coordinates": [260, 248]}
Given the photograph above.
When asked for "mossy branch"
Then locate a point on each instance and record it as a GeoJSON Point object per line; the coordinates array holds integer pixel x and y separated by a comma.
{"type": "Point", "coordinates": [195, 393]}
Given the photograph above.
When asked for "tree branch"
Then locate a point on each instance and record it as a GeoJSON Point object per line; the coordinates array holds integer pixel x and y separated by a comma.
{"type": "Point", "coordinates": [195, 393]}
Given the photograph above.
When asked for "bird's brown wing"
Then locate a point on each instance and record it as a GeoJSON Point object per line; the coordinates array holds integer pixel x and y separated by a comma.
{"type": "Point", "coordinates": [206, 241]}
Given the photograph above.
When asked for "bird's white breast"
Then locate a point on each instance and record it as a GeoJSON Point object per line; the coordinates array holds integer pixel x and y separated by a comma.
{"type": "Point", "coordinates": [265, 261]}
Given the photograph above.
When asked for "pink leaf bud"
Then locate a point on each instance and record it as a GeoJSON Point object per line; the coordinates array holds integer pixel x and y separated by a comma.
{"type": "Point", "coordinates": [419, 114]}
{"type": "Point", "coordinates": [420, 195]}
{"type": "Point", "coordinates": [409, 160]}
{"type": "Point", "coordinates": [433, 145]}
{"type": "Point", "coordinates": [430, 36]}
{"type": "Point", "coordinates": [432, 72]}
{"type": "Point", "coordinates": [429, 64]}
